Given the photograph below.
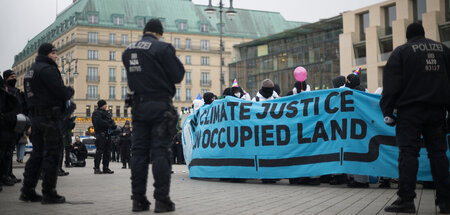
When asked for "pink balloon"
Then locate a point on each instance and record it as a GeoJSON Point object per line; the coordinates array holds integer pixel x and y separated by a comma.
{"type": "Point", "coordinates": [300, 74]}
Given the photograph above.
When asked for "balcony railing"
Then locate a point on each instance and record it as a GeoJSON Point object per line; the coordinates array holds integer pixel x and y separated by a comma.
{"type": "Point", "coordinates": [92, 78]}
{"type": "Point", "coordinates": [92, 96]}
{"type": "Point", "coordinates": [205, 83]}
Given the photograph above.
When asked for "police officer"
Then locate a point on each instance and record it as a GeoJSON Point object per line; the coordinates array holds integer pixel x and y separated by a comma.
{"type": "Point", "coordinates": [153, 69]}
{"type": "Point", "coordinates": [416, 82]}
{"type": "Point", "coordinates": [46, 95]}
{"type": "Point", "coordinates": [125, 144]}
{"type": "Point", "coordinates": [103, 124]}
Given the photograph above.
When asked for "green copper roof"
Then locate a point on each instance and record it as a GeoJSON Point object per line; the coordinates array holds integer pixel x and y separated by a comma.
{"type": "Point", "coordinates": [247, 23]}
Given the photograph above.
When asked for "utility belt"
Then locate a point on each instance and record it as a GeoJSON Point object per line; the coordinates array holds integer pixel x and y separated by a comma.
{"type": "Point", "coordinates": [53, 112]}
{"type": "Point", "coordinates": [138, 99]}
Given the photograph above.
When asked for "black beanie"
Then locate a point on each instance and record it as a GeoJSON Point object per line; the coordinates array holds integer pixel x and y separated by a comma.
{"type": "Point", "coordinates": [154, 25]}
{"type": "Point", "coordinates": [7, 73]}
{"type": "Point", "coordinates": [100, 103]}
{"type": "Point", "coordinates": [46, 49]}
{"type": "Point", "coordinates": [338, 81]}
{"type": "Point", "coordinates": [354, 81]}
{"type": "Point", "coordinates": [413, 30]}
{"type": "Point", "coordinates": [208, 97]}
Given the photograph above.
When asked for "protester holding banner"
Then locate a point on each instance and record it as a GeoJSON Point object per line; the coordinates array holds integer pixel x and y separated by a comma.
{"type": "Point", "coordinates": [266, 92]}
{"type": "Point", "coordinates": [208, 98]}
{"type": "Point", "coordinates": [416, 82]}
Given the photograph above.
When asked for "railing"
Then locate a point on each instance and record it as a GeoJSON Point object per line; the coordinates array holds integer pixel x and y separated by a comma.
{"type": "Point", "coordinates": [360, 61]}
{"type": "Point", "coordinates": [384, 56]}
{"type": "Point", "coordinates": [205, 83]}
{"type": "Point", "coordinates": [92, 96]}
{"type": "Point", "coordinates": [92, 78]}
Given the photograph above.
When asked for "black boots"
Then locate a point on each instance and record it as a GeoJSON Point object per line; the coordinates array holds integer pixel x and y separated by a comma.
{"type": "Point", "coordinates": [140, 204]}
{"type": "Point", "coordinates": [400, 206]}
{"type": "Point", "coordinates": [29, 195]}
{"type": "Point", "coordinates": [108, 171]}
{"type": "Point", "coordinates": [51, 197]}
{"type": "Point", "coordinates": [97, 171]}
{"type": "Point", "coordinates": [165, 205]}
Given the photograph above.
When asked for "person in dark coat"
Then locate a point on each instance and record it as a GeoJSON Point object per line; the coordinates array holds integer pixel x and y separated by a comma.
{"type": "Point", "coordinates": [177, 147]}
{"type": "Point", "coordinates": [47, 97]}
{"type": "Point", "coordinates": [416, 83]}
{"type": "Point", "coordinates": [79, 149]}
{"type": "Point", "coordinates": [125, 145]}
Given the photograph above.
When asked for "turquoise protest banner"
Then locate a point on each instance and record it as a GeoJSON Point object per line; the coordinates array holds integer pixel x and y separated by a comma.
{"type": "Point", "coordinates": [308, 134]}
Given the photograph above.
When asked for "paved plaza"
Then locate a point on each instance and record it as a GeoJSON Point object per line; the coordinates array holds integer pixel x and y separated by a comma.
{"type": "Point", "coordinates": [87, 193]}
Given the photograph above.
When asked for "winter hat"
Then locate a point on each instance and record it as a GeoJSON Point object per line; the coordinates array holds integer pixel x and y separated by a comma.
{"type": "Point", "coordinates": [208, 97]}
{"type": "Point", "coordinates": [154, 25]}
{"type": "Point", "coordinates": [127, 122]}
{"type": "Point", "coordinates": [413, 30]}
{"type": "Point", "coordinates": [7, 73]}
{"type": "Point", "coordinates": [227, 92]}
{"type": "Point", "coordinates": [338, 81]}
{"type": "Point", "coordinates": [267, 83]}
{"type": "Point", "coordinates": [46, 49]}
{"type": "Point", "coordinates": [100, 103]}
{"type": "Point", "coordinates": [353, 81]}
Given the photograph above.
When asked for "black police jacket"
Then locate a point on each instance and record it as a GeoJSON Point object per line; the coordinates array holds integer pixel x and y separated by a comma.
{"type": "Point", "coordinates": [125, 139]}
{"type": "Point", "coordinates": [152, 67]}
{"type": "Point", "coordinates": [102, 121]}
{"type": "Point", "coordinates": [8, 110]}
{"type": "Point", "coordinates": [20, 96]}
{"type": "Point", "coordinates": [417, 72]}
{"type": "Point", "coordinates": [44, 87]}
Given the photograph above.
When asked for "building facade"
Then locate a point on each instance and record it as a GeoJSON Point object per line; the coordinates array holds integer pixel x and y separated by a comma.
{"type": "Point", "coordinates": [91, 35]}
{"type": "Point", "coordinates": [371, 33]}
{"type": "Point", "coordinates": [314, 46]}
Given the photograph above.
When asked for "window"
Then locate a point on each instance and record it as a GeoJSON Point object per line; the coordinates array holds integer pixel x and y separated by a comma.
{"type": "Point", "coordinates": [419, 8]}
{"type": "Point", "coordinates": [139, 37]}
{"type": "Point", "coordinates": [188, 94]}
{"type": "Point", "coordinates": [188, 77]}
{"type": "Point", "coordinates": [88, 111]}
{"type": "Point", "coordinates": [140, 22]}
{"type": "Point", "coordinates": [390, 15]}
{"type": "Point", "coordinates": [204, 91]}
{"type": "Point", "coordinates": [112, 74]}
{"type": "Point", "coordinates": [204, 60]}
{"type": "Point", "coordinates": [92, 54]}
{"type": "Point", "coordinates": [176, 43]}
{"type": "Point", "coordinates": [92, 37]}
{"type": "Point", "coordinates": [124, 75]}
{"type": "Point", "coordinates": [92, 74]}
{"type": "Point", "coordinates": [117, 111]}
{"type": "Point", "coordinates": [188, 59]}
{"type": "Point", "coordinates": [182, 26]}
{"type": "Point", "coordinates": [125, 112]}
{"type": "Point", "coordinates": [112, 92]}
{"type": "Point", "coordinates": [363, 24]}
{"type": "Point", "coordinates": [177, 95]}
{"type": "Point", "coordinates": [92, 92]}
{"type": "Point", "coordinates": [447, 10]}
{"type": "Point", "coordinates": [188, 44]}
{"type": "Point", "coordinates": [204, 28]}
{"type": "Point", "coordinates": [112, 56]}
{"type": "Point", "coordinates": [110, 109]}
{"type": "Point", "coordinates": [124, 92]}
{"type": "Point", "coordinates": [360, 53]}
{"type": "Point", "coordinates": [112, 39]}
{"type": "Point", "coordinates": [204, 45]}
{"type": "Point", "coordinates": [118, 20]}
{"type": "Point", "coordinates": [204, 81]}
{"type": "Point", "coordinates": [363, 78]}
{"type": "Point", "coordinates": [93, 19]}
{"type": "Point", "coordinates": [125, 39]}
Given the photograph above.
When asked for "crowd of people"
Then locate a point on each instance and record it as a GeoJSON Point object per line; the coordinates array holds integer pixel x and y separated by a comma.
{"type": "Point", "coordinates": [154, 137]}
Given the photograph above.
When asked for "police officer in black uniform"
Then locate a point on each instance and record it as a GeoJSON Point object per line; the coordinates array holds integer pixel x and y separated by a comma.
{"type": "Point", "coordinates": [103, 125]}
{"type": "Point", "coordinates": [46, 96]}
{"type": "Point", "coordinates": [416, 82]}
{"type": "Point", "coordinates": [125, 145]}
{"type": "Point", "coordinates": [153, 69]}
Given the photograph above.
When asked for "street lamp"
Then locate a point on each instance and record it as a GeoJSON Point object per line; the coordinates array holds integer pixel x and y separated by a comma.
{"type": "Point", "coordinates": [70, 72]}
{"type": "Point", "coordinates": [231, 13]}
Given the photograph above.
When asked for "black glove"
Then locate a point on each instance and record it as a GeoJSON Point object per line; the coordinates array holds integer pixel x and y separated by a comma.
{"type": "Point", "coordinates": [390, 120]}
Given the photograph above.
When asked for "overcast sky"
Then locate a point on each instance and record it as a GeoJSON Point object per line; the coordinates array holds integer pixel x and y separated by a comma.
{"type": "Point", "coordinates": [21, 20]}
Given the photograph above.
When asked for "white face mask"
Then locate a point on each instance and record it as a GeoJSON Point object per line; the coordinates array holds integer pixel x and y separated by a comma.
{"type": "Point", "coordinates": [238, 94]}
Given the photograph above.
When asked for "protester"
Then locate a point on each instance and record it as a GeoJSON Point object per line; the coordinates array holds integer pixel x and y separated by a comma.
{"type": "Point", "coordinates": [266, 92]}
{"type": "Point", "coordinates": [299, 87]}
{"type": "Point", "coordinates": [177, 148]}
{"type": "Point", "coordinates": [416, 84]}
{"type": "Point", "coordinates": [339, 81]}
{"type": "Point", "coordinates": [78, 153]}
{"type": "Point", "coordinates": [125, 145]}
{"type": "Point", "coordinates": [353, 82]}
{"type": "Point", "coordinates": [47, 96]}
{"type": "Point", "coordinates": [154, 118]}
{"type": "Point", "coordinates": [208, 98]}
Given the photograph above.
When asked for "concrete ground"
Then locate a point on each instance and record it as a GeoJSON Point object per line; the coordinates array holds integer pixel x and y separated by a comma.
{"type": "Point", "coordinates": [87, 193]}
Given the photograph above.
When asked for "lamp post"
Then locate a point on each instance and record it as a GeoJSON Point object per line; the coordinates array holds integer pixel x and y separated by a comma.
{"type": "Point", "coordinates": [231, 13]}
{"type": "Point", "coordinates": [70, 72]}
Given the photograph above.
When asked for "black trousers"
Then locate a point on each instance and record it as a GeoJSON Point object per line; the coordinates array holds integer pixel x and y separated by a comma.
{"type": "Point", "coordinates": [115, 152]}
{"type": "Point", "coordinates": [103, 151]}
{"type": "Point", "coordinates": [412, 123]}
{"type": "Point", "coordinates": [125, 155]}
{"type": "Point", "coordinates": [8, 149]}
{"type": "Point", "coordinates": [151, 139]}
{"type": "Point", "coordinates": [47, 145]}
